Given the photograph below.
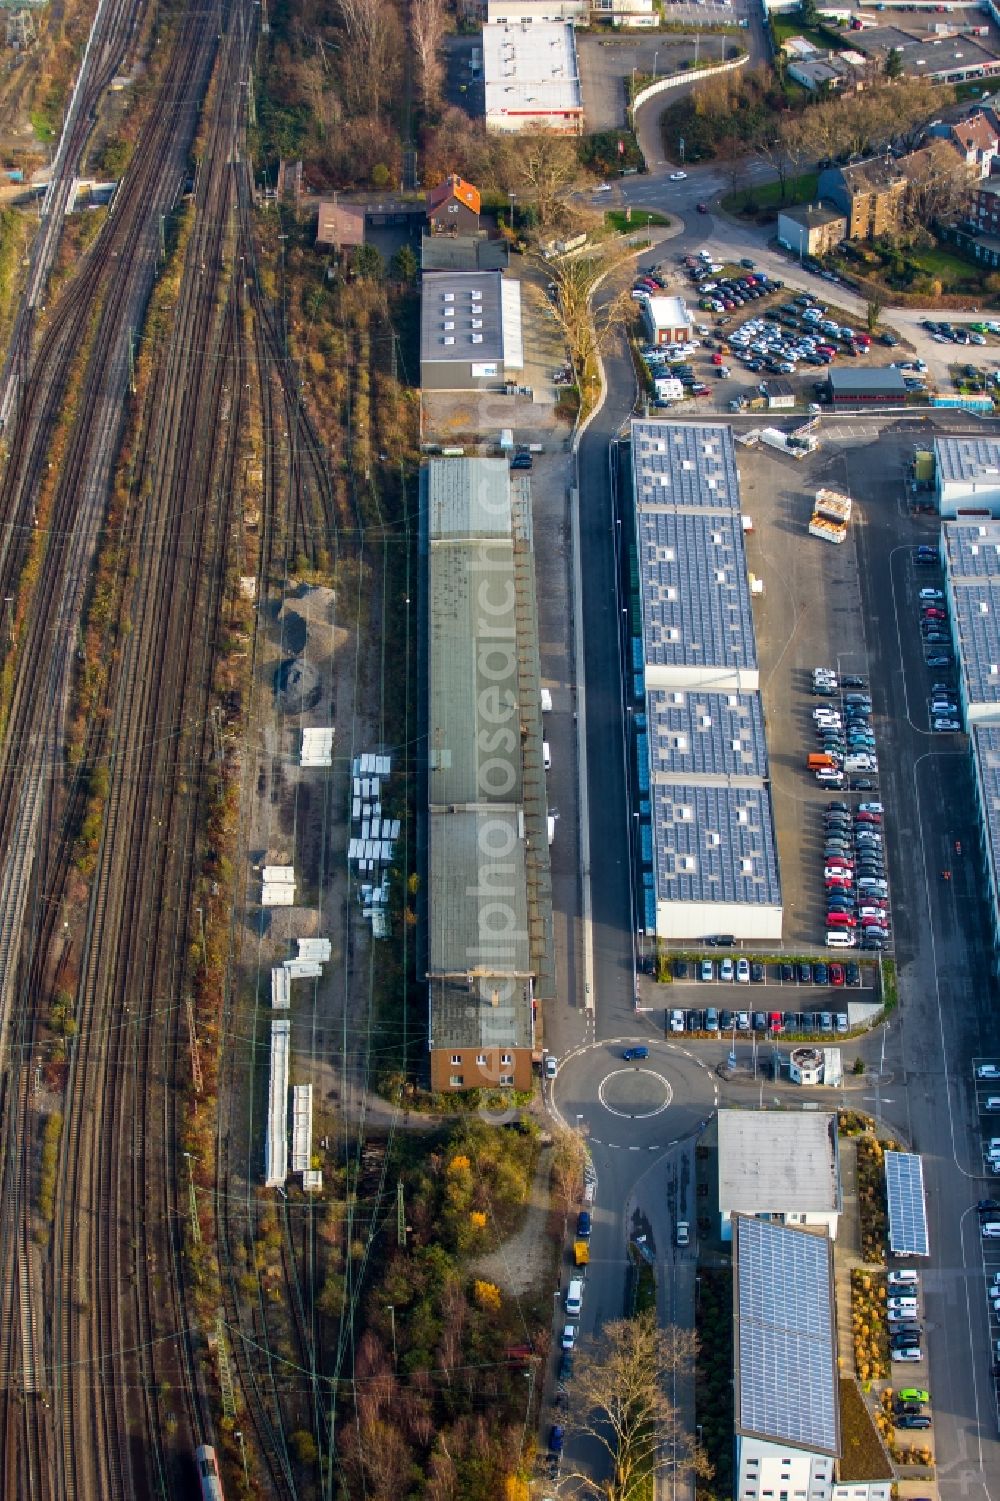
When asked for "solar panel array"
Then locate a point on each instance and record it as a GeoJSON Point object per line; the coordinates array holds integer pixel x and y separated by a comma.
{"type": "Point", "coordinates": [972, 549]}
{"type": "Point", "coordinates": [715, 843]}
{"type": "Point", "coordinates": [966, 458]}
{"type": "Point", "coordinates": [904, 1187]}
{"type": "Point", "coordinates": [696, 600]}
{"type": "Point", "coordinates": [786, 1358]}
{"type": "Point", "coordinates": [706, 733]}
{"type": "Point", "coordinates": [976, 629]}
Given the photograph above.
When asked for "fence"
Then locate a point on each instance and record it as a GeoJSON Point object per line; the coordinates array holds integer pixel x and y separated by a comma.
{"type": "Point", "coordinates": [691, 75]}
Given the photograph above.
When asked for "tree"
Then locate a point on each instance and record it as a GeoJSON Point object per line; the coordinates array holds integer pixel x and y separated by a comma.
{"type": "Point", "coordinates": [938, 182]}
{"type": "Point", "coordinates": [404, 264]}
{"type": "Point", "coordinates": [808, 13]}
{"type": "Point", "coordinates": [539, 166]}
{"type": "Point", "coordinates": [873, 313]}
{"type": "Point", "coordinates": [427, 28]}
{"type": "Point", "coordinates": [586, 328]}
{"type": "Point", "coordinates": [893, 65]}
{"type": "Point", "coordinates": [618, 1397]}
{"type": "Point", "coordinates": [367, 263]}
{"type": "Point", "coordinates": [370, 55]}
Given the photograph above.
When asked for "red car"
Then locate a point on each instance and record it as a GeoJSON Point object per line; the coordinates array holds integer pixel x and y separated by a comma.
{"type": "Point", "coordinates": [836, 974]}
{"type": "Point", "coordinates": [702, 208]}
{"type": "Point", "coordinates": [930, 612]}
{"type": "Point", "coordinates": [840, 920]}
{"type": "Point", "coordinates": [775, 1022]}
{"type": "Point", "coordinates": [870, 818]}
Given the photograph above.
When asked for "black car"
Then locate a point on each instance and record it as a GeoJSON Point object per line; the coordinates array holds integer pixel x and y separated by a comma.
{"type": "Point", "coordinates": [759, 1021]}
{"type": "Point", "coordinates": [913, 1420]}
{"type": "Point", "coordinates": [805, 974]}
{"type": "Point", "coordinates": [852, 974]}
{"type": "Point", "coordinates": [863, 784]}
{"type": "Point", "coordinates": [837, 808]}
{"type": "Point", "coordinates": [849, 681]}
{"type": "Point", "coordinates": [680, 969]}
{"type": "Point", "coordinates": [695, 1021]}
{"type": "Point", "coordinates": [756, 973]}
{"type": "Point", "coordinates": [821, 975]}
{"type": "Point", "coordinates": [725, 1020]}
{"type": "Point", "coordinates": [787, 974]}
{"type": "Point", "coordinates": [566, 1365]}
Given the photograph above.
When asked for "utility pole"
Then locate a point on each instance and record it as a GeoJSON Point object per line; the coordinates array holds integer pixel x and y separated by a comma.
{"type": "Point", "coordinates": [131, 364]}
{"type": "Point", "coordinates": [400, 1215]}
{"type": "Point", "coordinates": [225, 1370]}
{"type": "Point", "coordinates": [193, 1203]}
{"type": "Point", "coordinates": [201, 926]}
{"type": "Point", "coordinates": [193, 1045]}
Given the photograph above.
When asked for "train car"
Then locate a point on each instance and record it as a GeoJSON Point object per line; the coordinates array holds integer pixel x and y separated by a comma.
{"type": "Point", "coordinates": [208, 1474]}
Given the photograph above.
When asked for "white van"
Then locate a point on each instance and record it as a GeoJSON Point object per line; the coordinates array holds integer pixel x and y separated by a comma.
{"type": "Point", "coordinates": [990, 1231]}
{"type": "Point", "coordinates": [838, 939]}
{"type": "Point", "coordinates": [905, 1277]}
{"type": "Point", "coordinates": [574, 1296]}
{"type": "Point", "coordinates": [546, 701]}
{"type": "Point", "coordinates": [546, 756]}
{"type": "Point", "coordinates": [992, 1102]}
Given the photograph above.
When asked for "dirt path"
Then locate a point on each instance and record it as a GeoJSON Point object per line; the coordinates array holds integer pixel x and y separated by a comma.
{"type": "Point", "coordinates": [522, 1262]}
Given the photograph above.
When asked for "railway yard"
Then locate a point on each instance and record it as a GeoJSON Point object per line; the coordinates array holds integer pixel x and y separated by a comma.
{"type": "Point", "coordinates": [163, 491]}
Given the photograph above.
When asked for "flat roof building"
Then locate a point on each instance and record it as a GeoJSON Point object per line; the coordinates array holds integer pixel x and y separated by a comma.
{"type": "Point", "coordinates": [707, 847]}
{"type": "Point", "coordinates": [779, 1166]}
{"type": "Point", "coordinates": [532, 78]}
{"type": "Point", "coordinates": [488, 929]}
{"type": "Point", "coordinates": [971, 552]}
{"type": "Point", "coordinates": [967, 476]}
{"type": "Point", "coordinates": [470, 330]}
{"type": "Point", "coordinates": [850, 387]}
{"type": "Point", "coordinates": [667, 320]}
{"type": "Point", "coordinates": [986, 772]}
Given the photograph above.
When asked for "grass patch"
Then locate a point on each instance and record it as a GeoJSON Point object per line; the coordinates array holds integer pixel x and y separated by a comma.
{"type": "Point", "coordinates": [944, 264]}
{"type": "Point", "coordinates": [641, 219]}
{"type": "Point", "coordinates": [821, 37]}
{"type": "Point", "coordinates": [890, 988]}
{"type": "Point", "coordinates": [768, 195]}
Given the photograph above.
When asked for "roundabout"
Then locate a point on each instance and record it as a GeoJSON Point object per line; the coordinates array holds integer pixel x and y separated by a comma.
{"type": "Point", "coordinates": [635, 1093]}
{"type": "Point", "coordinates": [646, 1107]}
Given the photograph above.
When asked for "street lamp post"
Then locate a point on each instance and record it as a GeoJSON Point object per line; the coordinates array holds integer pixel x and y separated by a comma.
{"type": "Point", "coordinates": [656, 56]}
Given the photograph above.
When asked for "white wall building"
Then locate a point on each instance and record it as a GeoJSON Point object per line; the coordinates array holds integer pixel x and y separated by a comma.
{"type": "Point", "coordinates": [967, 476]}
{"type": "Point", "coordinates": [532, 78]}
{"type": "Point", "coordinates": [667, 320]}
{"type": "Point", "coordinates": [791, 1407]}
{"type": "Point", "coordinates": [625, 12]}
{"type": "Point", "coordinates": [779, 1167]}
{"type": "Point", "coordinates": [514, 12]}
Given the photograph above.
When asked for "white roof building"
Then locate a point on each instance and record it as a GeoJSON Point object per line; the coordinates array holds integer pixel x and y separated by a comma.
{"type": "Point", "coordinates": [967, 472]}
{"type": "Point", "coordinates": [668, 320]}
{"type": "Point", "coordinates": [784, 1167]}
{"type": "Point", "coordinates": [532, 78]}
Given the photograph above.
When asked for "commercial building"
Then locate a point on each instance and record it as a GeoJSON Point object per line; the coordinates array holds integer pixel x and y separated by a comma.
{"type": "Point", "coordinates": [781, 1167]}
{"type": "Point", "coordinates": [626, 12]}
{"type": "Point", "coordinates": [872, 386]}
{"type": "Point", "coordinates": [943, 59]}
{"type": "Point", "coordinates": [812, 230]}
{"type": "Point", "coordinates": [531, 12]}
{"type": "Point", "coordinates": [707, 857]}
{"type": "Point", "coordinates": [801, 1430]}
{"type": "Point", "coordinates": [822, 71]}
{"type": "Point", "coordinates": [967, 477]}
{"type": "Point", "coordinates": [986, 772]}
{"type": "Point", "coordinates": [667, 320]}
{"type": "Point", "coordinates": [971, 553]}
{"type": "Point", "coordinates": [470, 331]}
{"type": "Point", "coordinates": [532, 78]}
{"type": "Point", "coordinates": [487, 935]}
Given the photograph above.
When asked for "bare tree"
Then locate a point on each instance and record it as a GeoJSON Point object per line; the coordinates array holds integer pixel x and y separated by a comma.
{"type": "Point", "coordinates": [539, 167]}
{"type": "Point", "coordinates": [427, 28]}
{"type": "Point", "coordinates": [587, 327]}
{"type": "Point", "coordinates": [370, 56]}
{"type": "Point", "coordinates": [938, 185]}
{"type": "Point", "coordinates": [618, 1397]}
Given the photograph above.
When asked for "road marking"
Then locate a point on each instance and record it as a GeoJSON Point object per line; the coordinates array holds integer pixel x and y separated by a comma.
{"type": "Point", "coordinates": [646, 1115]}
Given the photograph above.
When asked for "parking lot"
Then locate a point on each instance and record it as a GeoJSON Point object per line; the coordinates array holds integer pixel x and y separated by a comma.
{"type": "Point", "coordinates": [751, 326]}
{"type": "Point", "coordinates": [803, 999]}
